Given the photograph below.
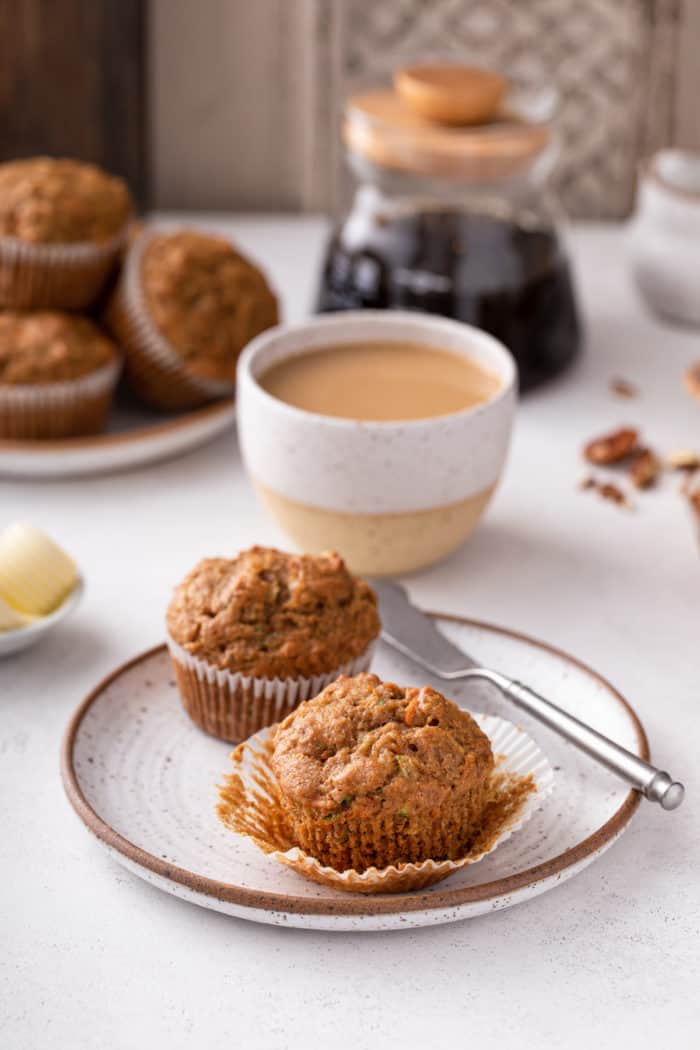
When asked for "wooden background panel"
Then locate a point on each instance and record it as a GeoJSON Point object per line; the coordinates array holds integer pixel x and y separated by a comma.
{"type": "Point", "coordinates": [72, 83]}
{"type": "Point", "coordinates": [229, 94]}
{"type": "Point", "coordinates": [241, 98]}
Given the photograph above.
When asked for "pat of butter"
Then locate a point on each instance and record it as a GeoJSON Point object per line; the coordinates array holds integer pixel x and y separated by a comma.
{"type": "Point", "coordinates": [36, 576]}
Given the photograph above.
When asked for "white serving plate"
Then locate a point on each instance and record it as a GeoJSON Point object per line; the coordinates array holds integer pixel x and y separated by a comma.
{"type": "Point", "coordinates": [143, 779]}
{"type": "Point", "coordinates": [135, 436]}
{"type": "Point", "coordinates": [22, 637]}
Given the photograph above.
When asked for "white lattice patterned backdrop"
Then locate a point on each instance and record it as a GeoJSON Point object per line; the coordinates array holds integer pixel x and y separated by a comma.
{"type": "Point", "coordinates": [613, 62]}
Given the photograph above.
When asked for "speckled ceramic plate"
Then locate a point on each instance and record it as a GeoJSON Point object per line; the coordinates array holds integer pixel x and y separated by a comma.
{"type": "Point", "coordinates": [135, 436]}
{"type": "Point", "coordinates": [143, 779]}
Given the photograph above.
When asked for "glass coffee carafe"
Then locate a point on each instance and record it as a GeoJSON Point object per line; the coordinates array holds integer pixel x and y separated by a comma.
{"type": "Point", "coordinates": [460, 221]}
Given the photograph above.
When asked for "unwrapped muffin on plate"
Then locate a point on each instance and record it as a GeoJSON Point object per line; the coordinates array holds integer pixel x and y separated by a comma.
{"type": "Point", "coordinates": [375, 788]}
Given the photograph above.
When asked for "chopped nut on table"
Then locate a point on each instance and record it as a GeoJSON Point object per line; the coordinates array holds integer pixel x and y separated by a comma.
{"type": "Point", "coordinates": [612, 447]}
{"type": "Point", "coordinates": [683, 459]}
{"type": "Point", "coordinates": [694, 501]}
{"type": "Point", "coordinates": [613, 493]}
{"type": "Point", "coordinates": [607, 490]}
{"type": "Point", "coordinates": [692, 379]}
{"type": "Point", "coordinates": [644, 468]}
{"type": "Point", "coordinates": [623, 388]}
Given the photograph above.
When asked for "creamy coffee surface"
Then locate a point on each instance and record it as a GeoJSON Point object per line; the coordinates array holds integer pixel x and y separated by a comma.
{"type": "Point", "coordinates": [380, 381]}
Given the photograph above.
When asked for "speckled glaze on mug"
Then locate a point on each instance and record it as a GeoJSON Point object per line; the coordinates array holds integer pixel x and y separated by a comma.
{"type": "Point", "coordinates": [389, 496]}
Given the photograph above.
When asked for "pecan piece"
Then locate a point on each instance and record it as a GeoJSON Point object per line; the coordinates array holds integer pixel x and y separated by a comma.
{"type": "Point", "coordinates": [612, 447]}
{"type": "Point", "coordinates": [683, 459]}
{"type": "Point", "coordinates": [692, 380]}
{"type": "Point", "coordinates": [606, 490]}
{"type": "Point", "coordinates": [623, 388]}
{"type": "Point", "coordinates": [613, 493]}
{"type": "Point", "coordinates": [644, 468]}
{"type": "Point", "coordinates": [694, 501]}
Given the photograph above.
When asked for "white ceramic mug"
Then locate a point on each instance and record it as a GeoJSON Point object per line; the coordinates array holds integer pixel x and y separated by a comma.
{"type": "Point", "coordinates": [389, 496]}
{"type": "Point", "coordinates": [665, 235]}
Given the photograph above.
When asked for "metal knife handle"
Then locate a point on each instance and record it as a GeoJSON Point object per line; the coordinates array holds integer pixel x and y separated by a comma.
{"type": "Point", "coordinates": [654, 784]}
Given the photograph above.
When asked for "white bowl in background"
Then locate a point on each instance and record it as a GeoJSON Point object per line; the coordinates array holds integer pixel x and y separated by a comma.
{"type": "Point", "coordinates": [665, 235]}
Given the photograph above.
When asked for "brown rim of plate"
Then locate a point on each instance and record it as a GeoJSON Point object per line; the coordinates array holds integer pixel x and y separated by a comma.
{"type": "Point", "coordinates": [141, 433]}
{"type": "Point", "coordinates": [389, 904]}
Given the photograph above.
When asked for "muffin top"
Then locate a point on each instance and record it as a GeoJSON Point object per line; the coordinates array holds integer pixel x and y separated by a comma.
{"type": "Point", "coordinates": [46, 346]}
{"type": "Point", "coordinates": [375, 749]}
{"type": "Point", "coordinates": [206, 299]}
{"type": "Point", "coordinates": [273, 615]}
{"type": "Point", "coordinates": [49, 200]}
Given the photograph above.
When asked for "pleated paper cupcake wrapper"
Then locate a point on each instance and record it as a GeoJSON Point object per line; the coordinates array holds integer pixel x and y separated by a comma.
{"type": "Point", "coordinates": [56, 276]}
{"type": "Point", "coordinates": [250, 805]}
{"type": "Point", "coordinates": [69, 408]}
{"type": "Point", "coordinates": [234, 706]}
{"type": "Point", "coordinates": [155, 369]}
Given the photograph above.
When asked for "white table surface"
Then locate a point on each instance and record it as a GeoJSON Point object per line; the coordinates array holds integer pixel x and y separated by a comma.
{"type": "Point", "coordinates": [91, 957]}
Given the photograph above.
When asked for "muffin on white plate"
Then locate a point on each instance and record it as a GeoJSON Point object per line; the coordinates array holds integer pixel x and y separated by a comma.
{"type": "Point", "coordinates": [253, 636]}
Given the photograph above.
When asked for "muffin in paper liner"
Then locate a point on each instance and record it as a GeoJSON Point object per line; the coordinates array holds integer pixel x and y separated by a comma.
{"type": "Point", "coordinates": [68, 408]}
{"type": "Point", "coordinates": [59, 276]}
{"type": "Point", "coordinates": [250, 805]}
{"type": "Point", "coordinates": [155, 370]}
{"type": "Point", "coordinates": [233, 706]}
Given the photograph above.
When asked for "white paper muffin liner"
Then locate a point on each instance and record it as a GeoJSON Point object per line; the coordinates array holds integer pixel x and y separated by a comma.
{"type": "Point", "coordinates": [233, 706]}
{"type": "Point", "coordinates": [54, 410]}
{"type": "Point", "coordinates": [57, 276]}
{"type": "Point", "coordinates": [156, 370]}
{"type": "Point", "coordinates": [250, 806]}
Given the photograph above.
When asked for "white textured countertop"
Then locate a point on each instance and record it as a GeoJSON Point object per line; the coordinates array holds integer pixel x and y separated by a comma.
{"type": "Point", "coordinates": [92, 957]}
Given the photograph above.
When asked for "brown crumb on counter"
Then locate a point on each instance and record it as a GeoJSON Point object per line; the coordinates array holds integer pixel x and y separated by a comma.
{"type": "Point", "coordinates": [694, 501]}
{"type": "Point", "coordinates": [683, 459]}
{"type": "Point", "coordinates": [623, 388]}
{"type": "Point", "coordinates": [612, 447]}
{"type": "Point", "coordinates": [644, 468]}
{"type": "Point", "coordinates": [608, 491]}
{"type": "Point", "coordinates": [687, 482]}
{"type": "Point", "coordinates": [692, 380]}
{"type": "Point", "coordinates": [614, 494]}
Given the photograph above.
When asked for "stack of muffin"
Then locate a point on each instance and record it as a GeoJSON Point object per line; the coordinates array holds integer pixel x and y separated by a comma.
{"type": "Point", "coordinates": [84, 295]}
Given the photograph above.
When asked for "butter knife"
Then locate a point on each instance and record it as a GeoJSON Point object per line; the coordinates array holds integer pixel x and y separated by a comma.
{"type": "Point", "coordinates": [411, 632]}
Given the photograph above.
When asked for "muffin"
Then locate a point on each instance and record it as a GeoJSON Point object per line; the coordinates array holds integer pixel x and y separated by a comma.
{"type": "Point", "coordinates": [62, 224]}
{"type": "Point", "coordinates": [185, 306]}
{"type": "Point", "coordinates": [253, 636]}
{"type": "Point", "coordinates": [57, 375]}
{"type": "Point", "coordinates": [371, 774]}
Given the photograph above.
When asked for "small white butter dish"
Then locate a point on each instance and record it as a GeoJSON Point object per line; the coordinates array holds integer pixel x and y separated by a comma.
{"type": "Point", "coordinates": [14, 640]}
